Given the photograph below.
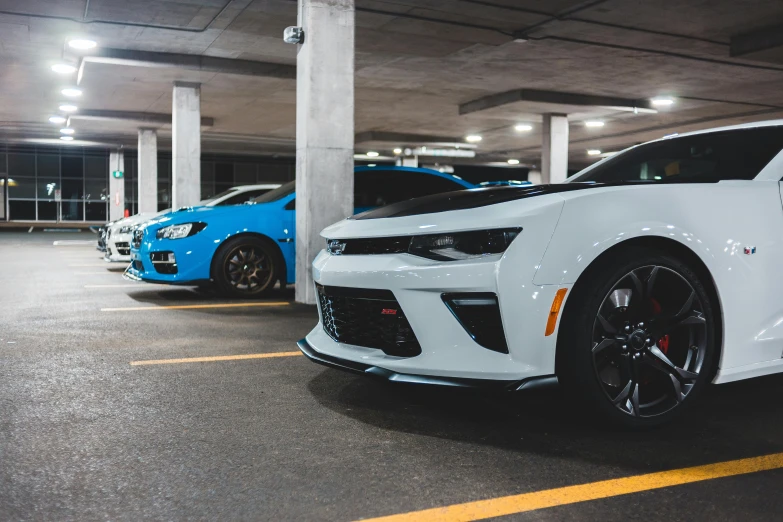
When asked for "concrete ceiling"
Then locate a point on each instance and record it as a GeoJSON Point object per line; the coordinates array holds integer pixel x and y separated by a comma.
{"type": "Point", "coordinates": [417, 62]}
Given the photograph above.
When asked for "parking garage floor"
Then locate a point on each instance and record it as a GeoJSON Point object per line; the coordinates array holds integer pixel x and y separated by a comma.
{"type": "Point", "coordinates": [107, 412]}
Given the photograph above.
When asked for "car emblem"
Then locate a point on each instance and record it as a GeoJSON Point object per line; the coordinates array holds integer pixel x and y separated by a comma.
{"type": "Point", "coordinates": [388, 311]}
{"type": "Point", "coordinates": [750, 250]}
{"type": "Point", "coordinates": [335, 247]}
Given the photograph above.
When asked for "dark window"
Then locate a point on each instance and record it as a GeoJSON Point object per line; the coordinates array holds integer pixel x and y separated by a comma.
{"type": "Point", "coordinates": [49, 166]}
{"type": "Point", "coordinates": [96, 211]}
{"type": "Point", "coordinates": [224, 172]}
{"type": "Point", "coordinates": [21, 210]}
{"type": "Point", "coordinates": [96, 189]}
{"type": "Point", "coordinates": [243, 197]}
{"type": "Point", "coordinates": [245, 173]}
{"type": "Point", "coordinates": [73, 210]}
{"type": "Point", "coordinates": [47, 210]}
{"type": "Point", "coordinates": [21, 165]}
{"type": "Point", "coordinates": [96, 167]}
{"type": "Point", "coordinates": [72, 167]}
{"type": "Point", "coordinates": [703, 158]}
{"type": "Point", "coordinates": [72, 188]}
{"type": "Point", "coordinates": [46, 187]}
{"type": "Point", "coordinates": [278, 193]}
{"type": "Point", "coordinates": [21, 187]}
{"type": "Point", "coordinates": [376, 188]}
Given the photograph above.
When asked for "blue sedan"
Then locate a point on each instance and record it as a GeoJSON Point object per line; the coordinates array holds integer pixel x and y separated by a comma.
{"type": "Point", "coordinates": [246, 249]}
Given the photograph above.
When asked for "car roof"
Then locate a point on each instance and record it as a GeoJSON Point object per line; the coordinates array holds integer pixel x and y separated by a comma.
{"type": "Point", "coordinates": [244, 188]}
{"type": "Point", "coordinates": [432, 172]}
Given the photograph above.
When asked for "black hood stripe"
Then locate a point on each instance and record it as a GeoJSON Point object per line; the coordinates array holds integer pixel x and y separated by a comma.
{"type": "Point", "coordinates": [466, 199]}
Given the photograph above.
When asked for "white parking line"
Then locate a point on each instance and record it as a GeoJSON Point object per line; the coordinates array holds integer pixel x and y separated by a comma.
{"type": "Point", "coordinates": [134, 285]}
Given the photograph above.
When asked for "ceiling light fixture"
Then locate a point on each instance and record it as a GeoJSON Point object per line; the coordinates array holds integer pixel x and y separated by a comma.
{"type": "Point", "coordinates": [71, 92]}
{"type": "Point", "coordinates": [66, 138]}
{"type": "Point", "coordinates": [398, 150]}
{"type": "Point", "coordinates": [67, 107]}
{"type": "Point", "coordinates": [81, 44]}
{"type": "Point", "coordinates": [56, 119]}
{"type": "Point", "coordinates": [662, 102]}
{"type": "Point", "coordinates": [63, 68]}
{"type": "Point", "coordinates": [593, 152]}
{"type": "Point", "coordinates": [513, 162]}
{"type": "Point", "coordinates": [372, 154]}
{"type": "Point", "coordinates": [473, 138]}
{"type": "Point", "coordinates": [67, 130]}
{"type": "Point", "coordinates": [594, 123]}
{"type": "Point", "coordinates": [523, 127]}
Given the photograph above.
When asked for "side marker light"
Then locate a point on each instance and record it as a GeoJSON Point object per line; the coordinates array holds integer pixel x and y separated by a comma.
{"type": "Point", "coordinates": [554, 311]}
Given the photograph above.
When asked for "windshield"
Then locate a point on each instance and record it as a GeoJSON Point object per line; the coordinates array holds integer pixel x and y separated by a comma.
{"type": "Point", "coordinates": [279, 193]}
{"type": "Point", "coordinates": [205, 202]}
{"type": "Point", "coordinates": [738, 154]}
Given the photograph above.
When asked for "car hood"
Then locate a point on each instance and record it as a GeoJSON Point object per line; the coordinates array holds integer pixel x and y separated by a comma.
{"type": "Point", "coordinates": [205, 214]}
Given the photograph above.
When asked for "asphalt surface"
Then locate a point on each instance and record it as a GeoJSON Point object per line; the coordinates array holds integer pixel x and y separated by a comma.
{"type": "Point", "coordinates": [84, 435]}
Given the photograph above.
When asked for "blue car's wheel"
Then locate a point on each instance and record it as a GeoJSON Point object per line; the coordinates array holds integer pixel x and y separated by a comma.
{"type": "Point", "coordinates": [246, 267]}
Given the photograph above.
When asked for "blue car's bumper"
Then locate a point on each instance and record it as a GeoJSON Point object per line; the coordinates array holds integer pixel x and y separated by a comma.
{"type": "Point", "coordinates": [151, 260]}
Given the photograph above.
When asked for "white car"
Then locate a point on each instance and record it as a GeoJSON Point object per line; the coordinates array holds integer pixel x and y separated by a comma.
{"type": "Point", "coordinates": [644, 278]}
{"type": "Point", "coordinates": [117, 236]}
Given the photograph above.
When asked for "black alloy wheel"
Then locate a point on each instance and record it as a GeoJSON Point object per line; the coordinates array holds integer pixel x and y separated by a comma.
{"type": "Point", "coordinates": [246, 267]}
{"type": "Point", "coordinates": [651, 340]}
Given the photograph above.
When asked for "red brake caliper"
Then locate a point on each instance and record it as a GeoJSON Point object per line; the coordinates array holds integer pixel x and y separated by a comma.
{"type": "Point", "coordinates": [663, 342]}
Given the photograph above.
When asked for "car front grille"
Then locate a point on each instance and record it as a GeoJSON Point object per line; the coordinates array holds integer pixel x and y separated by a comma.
{"type": "Point", "coordinates": [123, 248]}
{"type": "Point", "coordinates": [368, 246]}
{"type": "Point", "coordinates": [368, 318]}
{"type": "Point", "coordinates": [138, 236]}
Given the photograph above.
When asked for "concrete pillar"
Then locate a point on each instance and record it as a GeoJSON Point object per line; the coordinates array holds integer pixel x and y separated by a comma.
{"type": "Point", "coordinates": [324, 129]}
{"type": "Point", "coordinates": [148, 171]}
{"type": "Point", "coordinates": [554, 148]}
{"type": "Point", "coordinates": [186, 145]}
{"type": "Point", "coordinates": [116, 185]}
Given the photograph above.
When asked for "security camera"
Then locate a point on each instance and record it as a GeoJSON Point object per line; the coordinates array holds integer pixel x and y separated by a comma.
{"type": "Point", "coordinates": [293, 35]}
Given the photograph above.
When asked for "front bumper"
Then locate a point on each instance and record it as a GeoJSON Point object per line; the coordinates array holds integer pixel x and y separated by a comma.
{"type": "Point", "coordinates": [193, 258]}
{"type": "Point", "coordinates": [118, 248]}
{"type": "Point", "coordinates": [383, 373]}
{"type": "Point", "coordinates": [447, 350]}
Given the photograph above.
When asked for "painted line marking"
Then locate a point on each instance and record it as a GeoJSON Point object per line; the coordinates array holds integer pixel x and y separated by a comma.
{"type": "Point", "coordinates": [134, 285]}
{"type": "Point", "coordinates": [74, 242]}
{"type": "Point", "coordinates": [191, 307]}
{"type": "Point", "coordinates": [217, 358]}
{"type": "Point", "coordinates": [513, 504]}
{"type": "Point", "coordinates": [91, 265]}
{"type": "Point", "coordinates": [97, 273]}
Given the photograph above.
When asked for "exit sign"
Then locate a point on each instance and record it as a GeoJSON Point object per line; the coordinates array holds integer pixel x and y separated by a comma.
{"type": "Point", "coordinates": [116, 174]}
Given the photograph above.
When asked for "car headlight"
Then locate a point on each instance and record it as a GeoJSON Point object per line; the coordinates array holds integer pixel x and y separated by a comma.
{"type": "Point", "coordinates": [463, 245]}
{"type": "Point", "coordinates": [440, 247]}
{"type": "Point", "coordinates": [180, 231]}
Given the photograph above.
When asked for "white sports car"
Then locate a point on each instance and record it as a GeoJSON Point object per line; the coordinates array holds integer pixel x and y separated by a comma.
{"type": "Point", "coordinates": [118, 234]}
{"type": "Point", "coordinates": [644, 278]}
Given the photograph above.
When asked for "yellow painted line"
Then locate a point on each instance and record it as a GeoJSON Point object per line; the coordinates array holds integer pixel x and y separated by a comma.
{"type": "Point", "coordinates": [135, 285]}
{"type": "Point", "coordinates": [512, 504]}
{"type": "Point", "coordinates": [191, 307]}
{"type": "Point", "coordinates": [217, 358]}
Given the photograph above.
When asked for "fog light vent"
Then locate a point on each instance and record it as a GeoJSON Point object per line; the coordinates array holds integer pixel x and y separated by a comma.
{"type": "Point", "coordinates": [479, 315]}
{"type": "Point", "coordinates": [164, 262]}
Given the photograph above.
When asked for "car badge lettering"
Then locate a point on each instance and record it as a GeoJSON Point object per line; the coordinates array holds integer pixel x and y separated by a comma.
{"type": "Point", "coordinates": [336, 247]}
{"type": "Point", "coordinates": [388, 311]}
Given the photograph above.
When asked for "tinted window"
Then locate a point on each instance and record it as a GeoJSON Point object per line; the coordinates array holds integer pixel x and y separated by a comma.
{"type": "Point", "coordinates": [279, 193]}
{"type": "Point", "coordinates": [376, 188]}
{"type": "Point", "coordinates": [243, 197]}
{"type": "Point", "coordinates": [703, 158]}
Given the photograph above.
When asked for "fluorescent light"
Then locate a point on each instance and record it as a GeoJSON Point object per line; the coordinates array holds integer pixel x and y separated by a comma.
{"type": "Point", "coordinates": [66, 138]}
{"type": "Point", "coordinates": [372, 154]}
{"type": "Point", "coordinates": [513, 162]}
{"type": "Point", "coordinates": [662, 102]}
{"type": "Point", "coordinates": [398, 150]}
{"type": "Point", "coordinates": [82, 44]}
{"type": "Point", "coordinates": [473, 138]}
{"type": "Point", "coordinates": [372, 165]}
{"type": "Point", "coordinates": [71, 92]}
{"type": "Point", "coordinates": [67, 130]}
{"type": "Point", "coordinates": [57, 119]}
{"type": "Point", "coordinates": [63, 68]}
{"type": "Point", "coordinates": [594, 123]}
{"type": "Point", "coordinates": [68, 108]}
{"type": "Point", "coordinates": [594, 152]}
{"type": "Point", "coordinates": [523, 127]}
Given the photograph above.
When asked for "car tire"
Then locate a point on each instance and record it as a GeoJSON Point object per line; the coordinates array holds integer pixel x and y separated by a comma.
{"type": "Point", "coordinates": [639, 339]}
{"type": "Point", "coordinates": [246, 267]}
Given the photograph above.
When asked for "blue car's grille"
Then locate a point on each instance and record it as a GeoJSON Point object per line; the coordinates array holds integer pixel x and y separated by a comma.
{"type": "Point", "coordinates": [369, 318]}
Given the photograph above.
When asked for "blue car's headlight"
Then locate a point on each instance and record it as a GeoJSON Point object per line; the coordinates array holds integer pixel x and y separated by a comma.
{"type": "Point", "coordinates": [180, 231]}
